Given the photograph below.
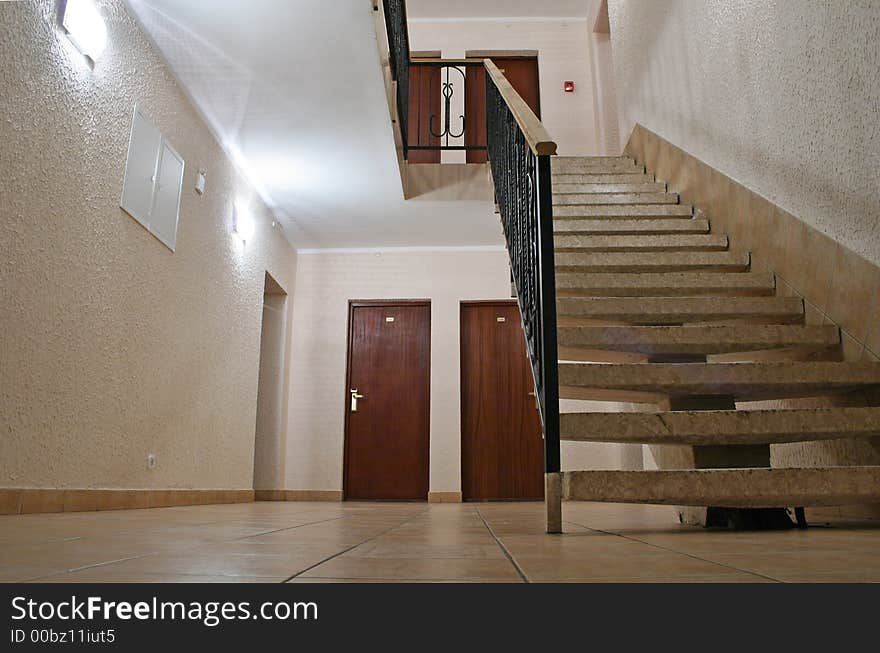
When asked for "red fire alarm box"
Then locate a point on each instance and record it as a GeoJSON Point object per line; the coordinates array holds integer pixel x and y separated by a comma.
{"type": "Point", "coordinates": [568, 87]}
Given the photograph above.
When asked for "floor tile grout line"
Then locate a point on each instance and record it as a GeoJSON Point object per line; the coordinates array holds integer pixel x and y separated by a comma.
{"type": "Point", "coordinates": [354, 546]}
{"type": "Point", "coordinates": [357, 579]}
{"type": "Point", "coordinates": [689, 555]}
{"type": "Point", "coordinates": [286, 528]}
{"type": "Point", "coordinates": [508, 554]}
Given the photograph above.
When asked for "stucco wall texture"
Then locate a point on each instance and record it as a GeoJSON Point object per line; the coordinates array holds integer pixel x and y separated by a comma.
{"type": "Point", "coordinates": [784, 97]}
{"type": "Point", "coordinates": [114, 347]}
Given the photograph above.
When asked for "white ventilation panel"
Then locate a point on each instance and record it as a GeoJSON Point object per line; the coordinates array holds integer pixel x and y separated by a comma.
{"type": "Point", "coordinates": [153, 181]}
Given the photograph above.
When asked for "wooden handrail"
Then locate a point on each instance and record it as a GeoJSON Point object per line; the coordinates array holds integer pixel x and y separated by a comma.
{"type": "Point", "coordinates": [536, 135]}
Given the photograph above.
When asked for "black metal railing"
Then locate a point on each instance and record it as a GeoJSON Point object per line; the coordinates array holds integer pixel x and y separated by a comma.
{"type": "Point", "coordinates": [435, 120]}
{"type": "Point", "coordinates": [523, 193]}
{"type": "Point", "coordinates": [426, 93]}
{"type": "Point", "coordinates": [398, 56]}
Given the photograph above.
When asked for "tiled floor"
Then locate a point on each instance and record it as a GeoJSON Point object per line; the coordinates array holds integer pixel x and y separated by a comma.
{"type": "Point", "coordinates": [362, 542]}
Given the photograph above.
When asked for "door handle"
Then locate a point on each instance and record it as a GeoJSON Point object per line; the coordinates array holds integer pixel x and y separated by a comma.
{"type": "Point", "coordinates": [532, 394]}
{"type": "Point", "coordinates": [354, 399]}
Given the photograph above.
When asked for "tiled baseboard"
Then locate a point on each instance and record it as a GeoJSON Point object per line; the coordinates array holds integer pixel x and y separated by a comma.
{"type": "Point", "coordinates": [298, 495]}
{"type": "Point", "coordinates": [444, 497]}
{"type": "Point", "coordinates": [15, 501]}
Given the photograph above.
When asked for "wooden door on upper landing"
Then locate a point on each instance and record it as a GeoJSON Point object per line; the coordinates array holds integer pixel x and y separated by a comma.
{"type": "Point", "coordinates": [423, 118]}
{"type": "Point", "coordinates": [521, 72]}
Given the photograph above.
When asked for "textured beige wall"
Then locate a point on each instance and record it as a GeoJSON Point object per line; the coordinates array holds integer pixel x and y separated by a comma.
{"type": "Point", "coordinates": [602, 73]}
{"type": "Point", "coordinates": [784, 97]}
{"type": "Point", "coordinates": [114, 347]}
{"type": "Point", "coordinates": [324, 284]}
{"type": "Point", "coordinates": [563, 54]}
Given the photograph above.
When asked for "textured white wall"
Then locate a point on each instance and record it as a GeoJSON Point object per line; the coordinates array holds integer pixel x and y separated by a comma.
{"type": "Point", "coordinates": [563, 54]}
{"type": "Point", "coordinates": [112, 346]}
{"type": "Point", "coordinates": [782, 96]}
{"type": "Point", "coordinates": [602, 71]}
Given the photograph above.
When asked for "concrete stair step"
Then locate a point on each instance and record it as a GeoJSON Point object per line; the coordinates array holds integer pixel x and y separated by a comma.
{"type": "Point", "coordinates": [582, 199]}
{"type": "Point", "coordinates": [616, 178]}
{"type": "Point", "coordinates": [651, 382]}
{"type": "Point", "coordinates": [643, 187]}
{"type": "Point", "coordinates": [591, 160]}
{"type": "Point", "coordinates": [640, 226]}
{"type": "Point", "coordinates": [730, 488]}
{"type": "Point", "coordinates": [663, 284]}
{"type": "Point", "coordinates": [623, 211]}
{"type": "Point", "coordinates": [651, 261]}
{"type": "Point", "coordinates": [694, 340]}
{"type": "Point", "coordinates": [722, 427]}
{"type": "Point", "coordinates": [593, 165]}
{"type": "Point", "coordinates": [680, 310]}
{"type": "Point", "coordinates": [640, 243]}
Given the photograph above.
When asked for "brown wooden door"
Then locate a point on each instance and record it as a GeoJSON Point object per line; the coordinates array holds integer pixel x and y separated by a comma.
{"type": "Point", "coordinates": [501, 445]}
{"type": "Point", "coordinates": [424, 104]}
{"type": "Point", "coordinates": [387, 437]}
{"type": "Point", "coordinates": [521, 72]}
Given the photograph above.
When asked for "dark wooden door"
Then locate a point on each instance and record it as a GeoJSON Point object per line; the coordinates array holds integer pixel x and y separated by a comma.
{"type": "Point", "coordinates": [521, 72]}
{"type": "Point", "coordinates": [501, 444]}
{"type": "Point", "coordinates": [387, 436]}
{"type": "Point", "coordinates": [424, 112]}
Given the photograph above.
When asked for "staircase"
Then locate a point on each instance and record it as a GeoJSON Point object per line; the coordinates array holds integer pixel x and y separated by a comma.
{"type": "Point", "coordinates": [655, 309]}
{"type": "Point", "coordinates": [627, 296]}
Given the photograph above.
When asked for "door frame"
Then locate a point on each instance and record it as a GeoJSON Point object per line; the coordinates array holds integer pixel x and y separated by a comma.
{"type": "Point", "coordinates": [359, 303]}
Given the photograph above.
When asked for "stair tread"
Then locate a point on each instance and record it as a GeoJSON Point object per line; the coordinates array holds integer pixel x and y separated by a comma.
{"type": "Point", "coordinates": [651, 261]}
{"type": "Point", "coordinates": [722, 427]}
{"type": "Point", "coordinates": [644, 226]}
{"type": "Point", "coordinates": [698, 339]}
{"type": "Point", "coordinates": [732, 488]}
{"type": "Point", "coordinates": [623, 210]}
{"type": "Point", "coordinates": [616, 178]}
{"type": "Point", "coordinates": [573, 165]}
{"type": "Point", "coordinates": [618, 284]}
{"type": "Point", "coordinates": [582, 199]}
{"type": "Point", "coordinates": [564, 188]}
{"type": "Point", "coordinates": [744, 381]}
{"type": "Point", "coordinates": [636, 242]}
{"type": "Point", "coordinates": [672, 310]}
{"type": "Point", "coordinates": [592, 159]}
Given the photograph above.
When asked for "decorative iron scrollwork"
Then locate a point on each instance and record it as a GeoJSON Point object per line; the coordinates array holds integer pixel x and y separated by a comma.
{"type": "Point", "coordinates": [448, 91]}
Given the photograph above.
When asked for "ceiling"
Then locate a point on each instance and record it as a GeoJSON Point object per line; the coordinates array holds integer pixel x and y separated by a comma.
{"type": "Point", "coordinates": [294, 92]}
{"type": "Point", "coordinates": [476, 9]}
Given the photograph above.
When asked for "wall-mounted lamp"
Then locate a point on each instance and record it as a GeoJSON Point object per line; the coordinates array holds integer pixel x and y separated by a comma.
{"type": "Point", "coordinates": [85, 27]}
{"type": "Point", "coordinates": [242, 222]}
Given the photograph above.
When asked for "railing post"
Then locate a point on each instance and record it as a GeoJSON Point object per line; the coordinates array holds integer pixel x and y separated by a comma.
{"type": "Point", "coordinates": [549, 354]}
{"type": "Point", "coordinates": [549, 348]}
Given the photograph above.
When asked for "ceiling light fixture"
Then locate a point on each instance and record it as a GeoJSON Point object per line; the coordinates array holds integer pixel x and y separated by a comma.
{"type": "Point", "coordinates": [85, 27]}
